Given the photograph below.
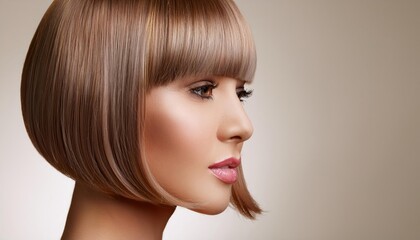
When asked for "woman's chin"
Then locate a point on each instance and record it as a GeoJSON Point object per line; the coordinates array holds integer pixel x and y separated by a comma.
{"type": "Point", "coordinates": [211, 208]}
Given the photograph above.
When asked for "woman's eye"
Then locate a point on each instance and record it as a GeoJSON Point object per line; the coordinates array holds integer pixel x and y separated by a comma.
{"type": "Point", "coordinates": [205, 91]}
{"type": "Point", "coordinates": [243, 93]}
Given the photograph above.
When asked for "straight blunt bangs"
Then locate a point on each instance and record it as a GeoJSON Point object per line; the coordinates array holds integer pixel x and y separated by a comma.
{"type": "Point", "coordinates": [198, 38]}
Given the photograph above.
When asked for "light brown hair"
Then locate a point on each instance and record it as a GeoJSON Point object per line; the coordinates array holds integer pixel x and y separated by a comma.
{"type": "Point", "coordinates": [90, 65]}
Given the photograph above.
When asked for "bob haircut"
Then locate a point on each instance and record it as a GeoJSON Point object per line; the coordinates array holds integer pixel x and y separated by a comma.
{"type": "Point", "coordinates": [89, 67]}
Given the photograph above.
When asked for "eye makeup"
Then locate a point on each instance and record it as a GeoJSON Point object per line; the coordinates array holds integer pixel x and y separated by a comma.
{"type": "Point", "coordinates": [243, 93]}
{"type": "Point", "coordinates": [204, 90]}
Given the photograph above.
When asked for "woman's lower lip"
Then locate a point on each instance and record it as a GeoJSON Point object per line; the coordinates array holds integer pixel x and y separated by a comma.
{"type": "Point", "coordinates": [226, 175]}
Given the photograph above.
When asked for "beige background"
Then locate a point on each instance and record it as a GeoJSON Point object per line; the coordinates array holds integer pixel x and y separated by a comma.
{"type": "Point", "coordinates": [336, 110]}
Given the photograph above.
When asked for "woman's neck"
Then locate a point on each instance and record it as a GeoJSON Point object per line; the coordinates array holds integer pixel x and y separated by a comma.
{"type": "Point", "coordinates": [95, 215]}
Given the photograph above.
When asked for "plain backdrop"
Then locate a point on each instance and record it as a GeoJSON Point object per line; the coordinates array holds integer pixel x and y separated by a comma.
{"type": "Point", "coordinates": [336, 111]}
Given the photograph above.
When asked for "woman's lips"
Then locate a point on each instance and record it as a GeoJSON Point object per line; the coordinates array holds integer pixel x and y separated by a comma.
{"type": "Point", "coordinates": [226, 170]}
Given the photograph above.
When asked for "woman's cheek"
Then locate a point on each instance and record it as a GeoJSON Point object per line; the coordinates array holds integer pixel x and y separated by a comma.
{"type": "Point", "coordinates": [177, 140]}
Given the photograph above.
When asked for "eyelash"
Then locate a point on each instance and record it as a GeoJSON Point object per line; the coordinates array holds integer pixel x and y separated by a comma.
{"type": "Point", "coordinates": [244, 93]}
{"type": "Point", "coordinates": [208, 88]}
{"type": "Point", "coordinates": [201, 90]}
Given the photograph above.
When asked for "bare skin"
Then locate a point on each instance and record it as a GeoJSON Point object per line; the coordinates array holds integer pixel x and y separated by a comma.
{"type": "Point", "coordinates": [94, 215]}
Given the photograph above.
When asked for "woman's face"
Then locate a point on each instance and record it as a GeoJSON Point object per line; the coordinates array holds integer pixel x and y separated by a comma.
{"type": "Point", "coordinates": [194, 132]}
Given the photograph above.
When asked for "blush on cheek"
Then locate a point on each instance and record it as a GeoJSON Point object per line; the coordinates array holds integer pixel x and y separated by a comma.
{"type": "Point", "coordinates": [175, 127]}
{"type": "Point", "coordinates": [181, 142]}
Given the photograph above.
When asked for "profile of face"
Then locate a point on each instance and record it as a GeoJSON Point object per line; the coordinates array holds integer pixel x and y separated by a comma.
{"type": "Point", "coordinates": [194, 132]}
{"type": "Point", "coordinates": [144, 99]}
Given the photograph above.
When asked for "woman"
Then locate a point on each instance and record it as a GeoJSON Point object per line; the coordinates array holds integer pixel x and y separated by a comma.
{"type": "Point", "coordinates": [140, 103]}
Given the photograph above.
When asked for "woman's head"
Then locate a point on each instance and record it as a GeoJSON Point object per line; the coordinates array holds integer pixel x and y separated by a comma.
{"type": "Point", "coordinates": [93, 65]}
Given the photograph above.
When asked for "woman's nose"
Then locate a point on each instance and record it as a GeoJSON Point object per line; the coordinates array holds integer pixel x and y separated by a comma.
{"type": "Point", "coordinates": [234, 124]}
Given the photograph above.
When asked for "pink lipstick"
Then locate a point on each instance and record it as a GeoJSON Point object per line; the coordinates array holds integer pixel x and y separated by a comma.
{"type": "Point", "coordinates": [226, 170]}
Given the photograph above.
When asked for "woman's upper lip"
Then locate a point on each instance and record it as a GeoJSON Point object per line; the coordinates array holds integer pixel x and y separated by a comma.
{"type": "Point", "coordinates": [230, 162]}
